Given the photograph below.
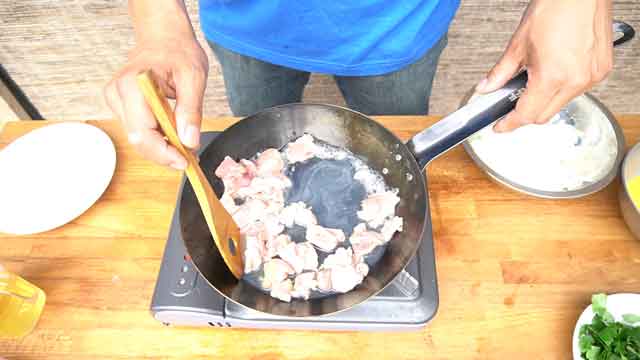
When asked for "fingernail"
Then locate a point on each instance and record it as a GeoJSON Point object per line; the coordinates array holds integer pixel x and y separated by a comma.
{"type": "Point", "coordinates": [482, 84]}
{"type": "Point", "coordinates": [134, 138]}
{"type": "Point", "coordinates": [192, 136]}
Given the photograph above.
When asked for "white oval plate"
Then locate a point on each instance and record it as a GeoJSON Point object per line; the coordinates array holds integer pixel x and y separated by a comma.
{"type": "Point", "coordinates": [52, 175]}
{"type": "Point", "coordinates": [617, 305]}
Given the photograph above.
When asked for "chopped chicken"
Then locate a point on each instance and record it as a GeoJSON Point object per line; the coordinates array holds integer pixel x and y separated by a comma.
{"type": "Point", "coordinates": [269, 163]}
{"type": "Point", "coordinates": [297, 213]}
{"type": "Point", "coordinates": [377, 207]}
{"type": "Point", "coordinates": [282, 290]}
{"type": "Point", "coordinates": [251, 211]}
{"type": "Point", "coordinates": [323, 280]}
{"type": "Point", "coordinates": [364, 241]}
{"type": "Point", "coordinates": [290, 269]}
{"type": "Point", "coordinates": [272, 227]}
{"type": "Point", "coordinates": [253, 254]}
{"type": "Point", "coordinates": [275, 245]}
{"type": "Point", "coordinates": [345, 272]}
{"type": "Point", "coordinates": [228, 203]}
{"type": "Point", "coordinates": [275, 271]}
{"type": "Point", "coordinates": [345, 278]}
{"type": "Point", "coordinates": [362, 268]}
{"type": "Point", "coordinates": [390, 227]}
{"type": "Point", "coordinates": [229, 168]}
{"type": "Point", "coordinates": [303, 284]}
{"type": "Point", "coordinates": [326, 239]}
{"type": "Point", "coordinates": [341, 257]}
{"type": "Point", "coordinates": [265, 189]}
{"type": "Point", "coordinates": [235, 176]}
{"type": "Point", "coordinates": [250, 167]}
{"type": "Point", "coordinates": [300, 256]}
{"type": "Point", "coordinates": [302, 149]}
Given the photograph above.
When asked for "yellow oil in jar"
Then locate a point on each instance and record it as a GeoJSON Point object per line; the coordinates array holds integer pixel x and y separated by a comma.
{"type": "Point", "coordinates": [21, 304]}
{"type": "Point", "coordinates": [634, 190]}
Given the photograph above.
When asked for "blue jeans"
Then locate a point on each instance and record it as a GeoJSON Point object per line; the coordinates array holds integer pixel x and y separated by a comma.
{"type": "Point", "coordinates": [253, 85]}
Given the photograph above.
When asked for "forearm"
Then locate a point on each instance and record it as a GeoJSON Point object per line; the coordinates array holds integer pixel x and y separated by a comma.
{"type": "Point", "coordinates": [160, 20]}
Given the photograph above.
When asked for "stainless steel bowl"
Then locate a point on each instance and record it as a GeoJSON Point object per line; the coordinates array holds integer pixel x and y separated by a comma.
{"type": "Point", "coordinates": [630, 211]}
{"type": "Point", "coordinates": [585, 106]}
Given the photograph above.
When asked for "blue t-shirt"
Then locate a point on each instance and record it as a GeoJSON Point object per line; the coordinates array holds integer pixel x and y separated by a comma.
{"type": "Point", "coordinates": [347, 37]}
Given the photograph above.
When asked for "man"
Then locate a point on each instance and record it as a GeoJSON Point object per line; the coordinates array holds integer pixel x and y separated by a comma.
{"type": "Point", "coordinates": [383, 54]}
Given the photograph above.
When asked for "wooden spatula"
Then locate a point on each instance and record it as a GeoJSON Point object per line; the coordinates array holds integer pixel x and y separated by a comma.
{"type": "Point", "coordinates": [224, 230]}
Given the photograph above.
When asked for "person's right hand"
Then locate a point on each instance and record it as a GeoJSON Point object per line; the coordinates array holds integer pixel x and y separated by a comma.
{"type": "Point", "coordinates": [180, 67]}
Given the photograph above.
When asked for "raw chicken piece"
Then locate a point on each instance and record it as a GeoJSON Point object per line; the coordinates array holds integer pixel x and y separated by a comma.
{"type": "Point", "coordinates": [229, 168]}
{"type": "Point", "coordinates": [309, 254]}
{"type": "Point", "coordinates": [326, 239]}
{"type": "Point", "coordinates": [362, 269]}
{"type": "Point", "coordinates": [228, 203]}
{"type": "Point", "coordinates": [297, 213]}
{"type": "Point", "coordinates": [341, 257]}
{"type": "Point", "coordinates": [269, 163]}
{"type": "Point", "coordinates": [390, 227]}
{"type": "Point", "coordinates": [253, 253]}
{"type": "Point", "coordinates": [345, 272]}
{"type": "Point", "coordinates": [302, 149]}
{"type": "Point", "coordinates": [250, 167]}
{"type": "Point", "coordinates": [323, 280]}
{"type": "Point", "coordinates": [377, 207]}
{"type": "Point", "coordinates": [272, 226]}
{"type": "Point", "coordinates": [364, 241]}
{"type": "Point", "coordinates": [300, 256]}
{"type": "Point", "coordinates": [275, 271]}
{"type": "Point", "coordinates": [277, 244]}
{"type": "Point", "coordinates": [345, 278]}
{"type": "Point", "coordinates": [235, 176]}
{"type": "Point", "coordinates": [269, 190]}
{"type": "Point", "coordinates": [303, 285]}
{"type": "Point", "coordinates": [251, 211]}
{"type": "Point", "coordinates": [282, 290]}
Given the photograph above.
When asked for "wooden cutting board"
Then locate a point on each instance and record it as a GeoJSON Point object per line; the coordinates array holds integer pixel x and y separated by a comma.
{"type": "Point", "coordinates": [514, 272]}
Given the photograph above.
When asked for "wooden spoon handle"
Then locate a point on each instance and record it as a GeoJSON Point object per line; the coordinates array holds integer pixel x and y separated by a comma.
{"type": "Point", "coordinates": [223, 229]}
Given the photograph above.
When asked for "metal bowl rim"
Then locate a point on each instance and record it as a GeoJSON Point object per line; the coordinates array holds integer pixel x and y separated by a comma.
{"type": "Point", "coordinates": [634, 151]}
{"type": "Point", "coordinates": [573, 194]}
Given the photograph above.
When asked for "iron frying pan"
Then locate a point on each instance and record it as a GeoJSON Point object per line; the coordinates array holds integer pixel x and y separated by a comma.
{"type": "Point", "coordinates": [275, 127]}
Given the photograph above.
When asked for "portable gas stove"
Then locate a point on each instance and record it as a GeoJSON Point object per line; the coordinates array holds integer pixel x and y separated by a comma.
{"type": "Point", "coordinates": [183, 298]}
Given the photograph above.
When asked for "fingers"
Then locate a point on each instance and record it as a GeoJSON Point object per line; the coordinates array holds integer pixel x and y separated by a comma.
{"type": "Point", "coordinates": [509, 64]}
{"type": "Point", "coordinates": [190, 83]}
{"type": "Point", "coordinates": [533, 102]}
{"type": "Point", "coordinates": [154, 147]}
{"type": "Point", "coordinates": [126, 100]}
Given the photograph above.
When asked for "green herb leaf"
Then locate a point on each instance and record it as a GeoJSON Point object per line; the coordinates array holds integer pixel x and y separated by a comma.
{"type": "Point", "coordinates": [599, 304]}
{"type": "Point", "coordinates": [586, 342]}
{"type": "Point", "coordinates": [607, 339]}
{"type": "Point", "coordinates": [607, 318]}
{"type": "Point", "coordinates": [607, 335]}
{"type": "Point", "coordinates": [631, 318]}
{"type": "Point", "coordinates": [593, 353]}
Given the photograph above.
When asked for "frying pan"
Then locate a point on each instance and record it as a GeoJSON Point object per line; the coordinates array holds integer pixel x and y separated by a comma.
{"type": "Point", "coordinates": [373, 143]}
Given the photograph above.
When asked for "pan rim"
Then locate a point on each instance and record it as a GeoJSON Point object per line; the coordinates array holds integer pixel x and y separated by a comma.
{"type": "Point", "coordinates": [426, 216]}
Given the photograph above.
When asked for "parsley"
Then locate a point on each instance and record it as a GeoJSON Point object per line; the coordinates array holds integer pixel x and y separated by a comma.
{"type": "Point", "coordinates": [606, 339]}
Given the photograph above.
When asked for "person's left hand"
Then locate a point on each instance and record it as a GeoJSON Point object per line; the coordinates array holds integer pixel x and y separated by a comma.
{"type": "Point", "coordinates": [566, 47]}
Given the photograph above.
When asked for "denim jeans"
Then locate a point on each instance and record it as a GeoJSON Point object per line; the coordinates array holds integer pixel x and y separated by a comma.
{"type": "Point", "coordinates": [253, 85]}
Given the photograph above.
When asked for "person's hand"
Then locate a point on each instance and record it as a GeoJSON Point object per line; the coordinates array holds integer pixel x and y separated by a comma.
{"type": "Point", "coordinates": [180, 66]}
{"type": "Point", "coordinates": [566, 47]}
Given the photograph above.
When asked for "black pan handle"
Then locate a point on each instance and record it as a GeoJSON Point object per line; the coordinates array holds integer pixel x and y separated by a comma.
{"type": "Point", "coordinates": [625, 29]}
{"type": "Point", "coordinates": [479, 113]}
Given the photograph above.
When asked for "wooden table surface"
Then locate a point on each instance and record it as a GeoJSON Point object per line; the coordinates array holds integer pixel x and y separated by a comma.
{"type": "Point", "coordinates": [514, 272]}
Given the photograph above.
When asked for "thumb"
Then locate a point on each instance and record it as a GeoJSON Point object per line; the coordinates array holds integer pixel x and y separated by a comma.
{"type": "Point", "coordinates": [190, 85]}
{"type": "Point", "coordinates": [503, 71]}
